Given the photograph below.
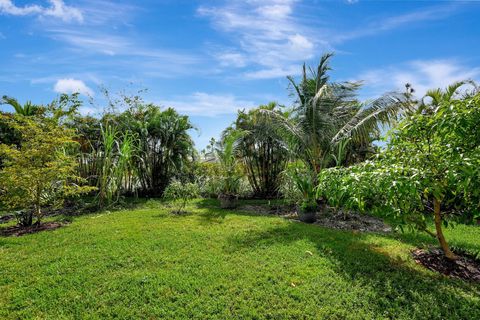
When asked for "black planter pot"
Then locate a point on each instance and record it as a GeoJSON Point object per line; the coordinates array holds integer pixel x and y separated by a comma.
{"type": "Point", "coordinates": [307, 217]}
{"type": "Point", "coordinates": [228, 201]}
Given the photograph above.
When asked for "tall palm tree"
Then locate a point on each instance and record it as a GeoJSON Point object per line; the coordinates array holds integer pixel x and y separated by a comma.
{"type": "Point", "coordinates": [165, 145]}
{"type": "Point", "coordinates": [327, 113]}
{"type": "Point", "coordinates": [262, 151]}
{"type": "Point", "coordinates": [28, 109]}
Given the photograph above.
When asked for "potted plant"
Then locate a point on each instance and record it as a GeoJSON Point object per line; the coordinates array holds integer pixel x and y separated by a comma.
{"type": "Point", "coordinates": [225, 153]}
{"type": "Point", "coordinates": [307, 211]}
{"type": "Point", "coordinates": [229, 193]}
{"type": "Point", "coordinates": [304, 181]}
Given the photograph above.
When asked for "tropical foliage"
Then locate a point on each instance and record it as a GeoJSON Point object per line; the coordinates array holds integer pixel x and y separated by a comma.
{"type": "Point", "coordinates": [429, 170]}
{"type": "Point", "coordinates": [321, 148]}
{"type": "Point", "coordinates": [28, 109]}
{"type": "Point", "coordinates": [40, 170]}
{"type": "Point", "coordinates": [180, 194]}
{"type": "Point", "coordinates": [327, 113]}
{"type": "Point", "coordinates": [225, 152]}
{"type": "Point", "coordinates": [165, 147]}
{"type": "Point", "coordinates": [262, 150]}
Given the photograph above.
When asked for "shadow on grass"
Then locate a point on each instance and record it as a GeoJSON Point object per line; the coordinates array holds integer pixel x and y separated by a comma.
{"type": "Point", "coordinates": [212, 213]}
{"type": "Point", "coordinates": [417, 239]}
{"type": "Point", "coordinates": [393, 280]}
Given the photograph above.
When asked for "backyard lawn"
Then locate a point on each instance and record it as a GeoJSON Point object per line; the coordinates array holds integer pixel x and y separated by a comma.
{"type": "Point", "coordinates": [147, 263]}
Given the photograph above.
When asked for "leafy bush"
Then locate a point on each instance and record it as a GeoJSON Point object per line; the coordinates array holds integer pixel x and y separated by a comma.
{"type": "Point", "coordinates": [430, 169]}
{"type": "Point", "coordinates": [262, 151]}
{"type": "Point", "coordinates": [39, 171]}
{"type": "Point", "coordinates": [208, 176]}
{"type": "Point", "coordinates": [180, 193]}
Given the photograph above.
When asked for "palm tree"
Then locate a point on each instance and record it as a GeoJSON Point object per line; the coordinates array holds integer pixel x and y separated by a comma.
{"type": "Point", "coordinates": [226, 153]}
{"type": "Point", "coordinates": [434, 97]}
{"type": "Point", "coordinates": [262, 150]}
{"type": "Point", "coordinates": [28, 109]}
{"type": "Point", "coordinates": [327, 113]}
{"type": "Point", "coordinates": [165, 146]}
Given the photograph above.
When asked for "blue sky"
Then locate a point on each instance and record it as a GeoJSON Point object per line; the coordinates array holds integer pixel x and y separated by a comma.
{"type": "Point", "coordinates": [209, 58]}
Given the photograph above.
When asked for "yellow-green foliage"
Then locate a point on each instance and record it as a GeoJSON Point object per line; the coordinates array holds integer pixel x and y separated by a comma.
{"type": "Point", "coordinates": [39, 171]}
{"type": "Point", "coordinates": [209, 178]}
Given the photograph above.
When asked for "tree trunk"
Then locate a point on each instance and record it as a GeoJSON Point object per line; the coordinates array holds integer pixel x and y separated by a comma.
{"type": "Point", "coordinates": [38, 210]}
{"type": "Point", "coordinates": [438, 227]}
{"type": "Point", "coordinates": [26, 220]}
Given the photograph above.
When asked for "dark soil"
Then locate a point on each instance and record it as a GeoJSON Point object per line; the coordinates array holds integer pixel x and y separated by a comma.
{"type": "Point", "coordinates": [16, 231]}
{"type": "Point", "coordinates": [465, 267]}
{"type": "Point", "coordinates": [351, 221]}
{"type": "Point", "coordinates": [6, 218]}
{"type": "Point", "coordinates": [279, 210]}
{"type": "Point", "coordinates": [327, 217]}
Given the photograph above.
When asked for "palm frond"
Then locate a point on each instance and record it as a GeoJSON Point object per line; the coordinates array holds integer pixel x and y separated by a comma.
{"type": "Point", "coordinates": [14, 103]}
{"type": "Point", "coordinates": [384, 110]}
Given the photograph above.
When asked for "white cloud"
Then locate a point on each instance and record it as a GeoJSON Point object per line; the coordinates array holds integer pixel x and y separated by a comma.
{"type": "Point", "coordinates": [267, 34]}
{"type": "Point", "coordinates": [7, 7]}
{"type": "Point", "coordinates": [272, 38]}
{"type": "Point", "coordinates": [117, 45]}
{"type": "Point", "coordinates": [421, 74]}
{"type": "Point", "coordinates": [70, 85]}
{"type": "Point", "coordinates": [394, 22]}
{"type": "Point", "coordinates": [204, 104]}
{"type": "Point", "coordinates": [57, 9]}
{"type": "Point", "coordinates": [272, 72]}
{"type": "Point", "coordinates": [232, 59]}
{"type": "Point", "coordinates": [93, 42]}
{"type": "Point", "coordinates": [275, 11]}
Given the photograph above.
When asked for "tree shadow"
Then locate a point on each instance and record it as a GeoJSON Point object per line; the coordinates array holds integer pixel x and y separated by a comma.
{"type": "Point", "coordinates": [392, 279]}
{"type": "Point", "coordinates": [212, 213]}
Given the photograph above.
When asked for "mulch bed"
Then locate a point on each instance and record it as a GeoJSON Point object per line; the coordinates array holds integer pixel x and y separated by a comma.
{"type": "Point", "coordinates": [327, 217]}
{"type": "Point", "coordinates": [351, 221]}
{"type": "Point", "coordinates": [465, 267]}
{"type": "Point", "coordinates": [16, 231]}
{"type": "Point", "coordinates": [279, 210]}
{"type": "Point", "coordinates": [6, 218]}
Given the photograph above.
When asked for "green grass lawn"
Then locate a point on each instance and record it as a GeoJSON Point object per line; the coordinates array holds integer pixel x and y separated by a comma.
{"type": "Point", "coordinates": [149, 264]}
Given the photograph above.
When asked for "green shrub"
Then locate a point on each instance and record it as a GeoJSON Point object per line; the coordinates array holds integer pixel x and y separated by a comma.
{"type": "Point", "coordinates": [430, 169]}
{"type": "Point", "coordinates": [180, 193]}
{"type": "Point", "coordinates": [208, 177]}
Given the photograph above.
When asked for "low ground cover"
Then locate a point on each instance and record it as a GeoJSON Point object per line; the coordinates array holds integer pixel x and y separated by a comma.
{"type": "Point", "coordinates": [212, 263]}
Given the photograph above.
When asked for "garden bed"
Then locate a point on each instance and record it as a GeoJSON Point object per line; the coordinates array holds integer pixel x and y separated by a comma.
{"type": "Point", "coordinates": [327, 217]}
{"type": "Point", "coordinates": [465, 267]}
{"type": "Point", "coordinates": [16, 231]}
{"type": "Point", "coordinates": [351, 221]}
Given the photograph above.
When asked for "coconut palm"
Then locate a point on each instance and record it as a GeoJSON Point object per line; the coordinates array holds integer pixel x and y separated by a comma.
{"type": "Point", "coordinates": [327, 113]}
{"type": "Point", "coordinates": [434, 97]}
{"type": "Point", "coordinates": [28, 109]}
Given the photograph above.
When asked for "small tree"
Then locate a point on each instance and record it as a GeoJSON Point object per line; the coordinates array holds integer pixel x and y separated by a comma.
{"type": "Point", "coordinates": [441, 149]}
{"type": "Point", "coordinates": [39, 171]}
{"type": "Point", "coordinates": [431, 164]}
{"type": "Point", "coordinates": [180, 194]}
